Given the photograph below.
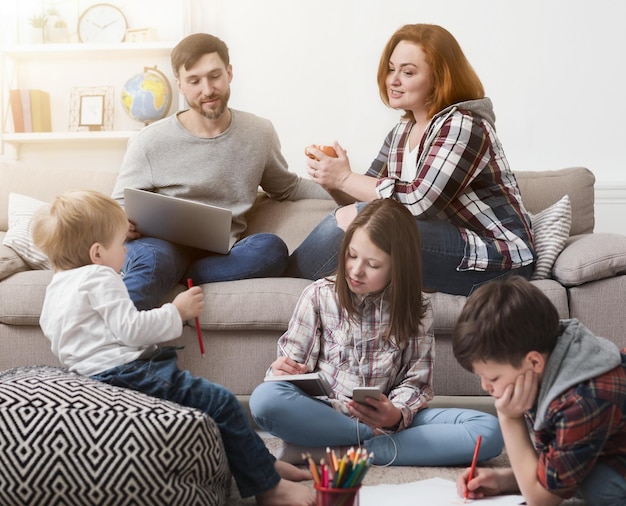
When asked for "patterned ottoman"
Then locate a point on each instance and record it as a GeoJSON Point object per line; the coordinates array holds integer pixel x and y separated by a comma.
{"type": "Point", "coordinates": [69, 440]}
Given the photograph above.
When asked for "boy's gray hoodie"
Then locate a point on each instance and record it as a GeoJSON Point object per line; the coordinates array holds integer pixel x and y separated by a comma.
{"type": "Point", "coordinates": [577, 357]}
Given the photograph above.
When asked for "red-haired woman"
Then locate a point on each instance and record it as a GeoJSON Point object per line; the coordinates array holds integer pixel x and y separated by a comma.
{"type": "Point", "coordinates": [443, 161]}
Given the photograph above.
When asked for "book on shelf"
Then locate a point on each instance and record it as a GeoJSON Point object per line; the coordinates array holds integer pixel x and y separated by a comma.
{"type": "Point", "coordinates": [28, 122]}
{"type": "Point", "coordinates": [312, 383]}
{"type": "Point", "coordinates": [30, 110]}
{"type": "Point", "coordinates": [40, 111]}
{"type": "Point", "coordinates": [15, 101]}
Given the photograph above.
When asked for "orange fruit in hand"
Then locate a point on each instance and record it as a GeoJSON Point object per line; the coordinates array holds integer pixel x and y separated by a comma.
{"type": "Point", "coordinates": [327, 150]}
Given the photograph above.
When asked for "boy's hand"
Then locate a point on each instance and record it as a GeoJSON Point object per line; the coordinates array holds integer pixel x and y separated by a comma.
{"type": "Point", "coordinates": [190, 302]}
{"type": "Point", "coordinates": [485, 482]}
{"type": "Point", "coordinates": [285, 365]}
{"type": "Point", "coordinates": [520, 396]}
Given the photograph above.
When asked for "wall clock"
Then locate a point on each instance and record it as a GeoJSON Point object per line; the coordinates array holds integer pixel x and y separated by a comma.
{"type": "Point", "coordinates": [102, 23]}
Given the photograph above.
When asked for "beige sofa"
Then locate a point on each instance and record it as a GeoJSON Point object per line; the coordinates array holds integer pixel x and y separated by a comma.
{"type": "Point", "coordinates": [243, 319]}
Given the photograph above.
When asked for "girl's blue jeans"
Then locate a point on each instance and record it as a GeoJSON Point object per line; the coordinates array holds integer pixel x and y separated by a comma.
{"type": "Point", "coordinates": [250, 462]}
{"type": "Point", "coordinates": [154, 266]}
{"type": "Point", "coordinates": [436, 437]}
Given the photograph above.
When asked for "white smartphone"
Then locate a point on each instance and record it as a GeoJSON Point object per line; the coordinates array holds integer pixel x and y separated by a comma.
{"type": "Point", "coordinates": [360, 393]}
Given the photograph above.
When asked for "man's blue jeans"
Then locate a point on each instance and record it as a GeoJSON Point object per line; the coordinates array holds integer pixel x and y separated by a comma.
{"type": "Point", "coordinates": [154, 266]}
{"type": "Point", "coordinates": [436, 437]}
{"type": "Point", "coordinates": [442, 251]}
{"type": "Point", "coordinates": [251, 463]}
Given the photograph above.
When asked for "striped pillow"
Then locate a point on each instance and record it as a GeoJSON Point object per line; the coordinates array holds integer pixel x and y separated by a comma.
{"type": "Point", "coordinates": [550, 230]}
{"type": "Point", "coordinates": [19, 236]}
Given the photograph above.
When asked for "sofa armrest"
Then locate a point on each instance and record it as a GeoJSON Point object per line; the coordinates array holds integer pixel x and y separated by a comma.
{"type": "Point", "coordinates": [590, 257]}
{"type": "Point", "coordinates": [10, 261]}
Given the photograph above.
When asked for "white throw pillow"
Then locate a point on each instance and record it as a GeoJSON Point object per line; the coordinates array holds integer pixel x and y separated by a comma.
{"type": "Point", "coordinates": [550, 230]}
{"type": "Point", "coordinates": [19, 237]}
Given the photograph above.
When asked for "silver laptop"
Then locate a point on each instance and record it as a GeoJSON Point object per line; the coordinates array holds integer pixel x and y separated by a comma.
{"type": "Point", "coordinates": [179, 221]}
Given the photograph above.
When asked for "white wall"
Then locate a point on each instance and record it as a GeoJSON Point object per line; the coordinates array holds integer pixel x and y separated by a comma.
{"type": "Point", "coordinates": [553, 68]}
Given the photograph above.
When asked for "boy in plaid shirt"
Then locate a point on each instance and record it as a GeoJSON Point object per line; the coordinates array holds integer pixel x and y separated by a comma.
{"type": "Point", "coordinates": [560, 396]}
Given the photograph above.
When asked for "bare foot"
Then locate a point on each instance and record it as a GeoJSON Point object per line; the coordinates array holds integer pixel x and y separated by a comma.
{"type": "Point", "coordinates": [287, 493]}
{"type": "Point", "coordinates": [291, 472]}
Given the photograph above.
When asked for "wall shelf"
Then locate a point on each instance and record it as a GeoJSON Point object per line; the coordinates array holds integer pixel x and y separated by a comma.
{"type": "Point", "coordinates": [117, 137]}
{"type": "Point", "coordinates": [79, 50]}
{"type": "Point", "coordinates": [45, 137]}
{"type": "Point", "coordinates": [61, 68]}
{"type": "Point", "coordinates": [75, 54]}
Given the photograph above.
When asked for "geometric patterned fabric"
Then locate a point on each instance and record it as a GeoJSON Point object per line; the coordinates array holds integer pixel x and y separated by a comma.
{"type": "Point", "coordinates": [66, 439]}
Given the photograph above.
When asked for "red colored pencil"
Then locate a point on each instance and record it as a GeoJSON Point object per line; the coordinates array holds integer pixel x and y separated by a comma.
{"type": "Point", "coordinates": [200, 341]}
{"type": "Point", "coordinates": [473, 468]}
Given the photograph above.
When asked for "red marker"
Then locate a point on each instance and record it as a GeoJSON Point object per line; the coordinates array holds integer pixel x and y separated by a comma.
{"type": "Point", "coordinates": [200, 341]}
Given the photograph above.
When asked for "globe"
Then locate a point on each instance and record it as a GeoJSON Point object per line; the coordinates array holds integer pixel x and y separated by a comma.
{"type": "Point", "coordinates": [147, 96]}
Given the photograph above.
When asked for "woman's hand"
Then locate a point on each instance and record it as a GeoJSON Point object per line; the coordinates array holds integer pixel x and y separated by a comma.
{"type": "Point", "coordinates": [285, 365]}
{"type": "Point", "coordinates": [376, 414]}
{"type": "Point", "coordinates": [328, 171]}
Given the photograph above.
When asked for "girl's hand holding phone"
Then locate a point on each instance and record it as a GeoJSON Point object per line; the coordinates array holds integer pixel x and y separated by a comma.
{"type": "Point", "coordinates": [376, 414]}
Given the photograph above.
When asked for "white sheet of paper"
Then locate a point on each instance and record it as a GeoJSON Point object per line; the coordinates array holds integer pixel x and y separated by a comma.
{"type": "Point", "coordinates": [438, 491]}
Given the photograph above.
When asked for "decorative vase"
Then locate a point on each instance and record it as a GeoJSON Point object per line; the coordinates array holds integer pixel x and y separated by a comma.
{"type": "Point", "coordinates": [57, 35]}
{"type": "Point", "coordinates": [36, 35]}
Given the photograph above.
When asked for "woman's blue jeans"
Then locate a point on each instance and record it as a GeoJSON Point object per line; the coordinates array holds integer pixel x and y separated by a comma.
{"type": "Point", "coordinates": [251, 463]}
{"type": "Point", "coordinates": [436, 437]}
{"type": "Point", "coordinates": [154, 266]}
{"type": "Point", "coordinates": [442, 251]}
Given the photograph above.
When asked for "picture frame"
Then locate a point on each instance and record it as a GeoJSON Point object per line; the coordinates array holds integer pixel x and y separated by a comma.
{"type": "Point", "coordinates": [91, 109]}
{"type": "Point", "coordinates": [140, 35]}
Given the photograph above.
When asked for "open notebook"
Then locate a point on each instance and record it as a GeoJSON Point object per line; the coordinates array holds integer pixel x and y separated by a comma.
{"type": "Point", "coordinates": [311, 383]}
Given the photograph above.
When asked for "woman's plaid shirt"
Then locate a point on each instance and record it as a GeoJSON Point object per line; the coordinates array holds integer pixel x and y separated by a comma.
{"type": "Point", "coordinates": [463, 177]}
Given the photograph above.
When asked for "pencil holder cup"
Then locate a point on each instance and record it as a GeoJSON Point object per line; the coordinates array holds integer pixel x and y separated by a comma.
{"type": "Point", "coordinates": [337, 496]}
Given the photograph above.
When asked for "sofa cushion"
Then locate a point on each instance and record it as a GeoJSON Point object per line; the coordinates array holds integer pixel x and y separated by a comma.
{"type": "Point", "coordinates": [10, 261]}
{"type": "Point", "coordinates": [599, 305]}
{"type": "Point", "coordinates": [44, 183]}
{"type": "Point", "coordinates": [269, 215]}
{"type": "Point", "coordinates": [24, 309]}
{"type": "Point", "coordinates": [541, 189]}
{"type": "Point", "coordinates": [68, 439]}
{"type": "Point", "coordinates": [550, 232]}
{"type": "Point", "coordinates": [19, 236]}
{"type": "Point", "coordinates": [591, 257]}
{"type": "Point", "coordinates": [251, 304]}
{"type": "Point", "coordinates": [447, 308]}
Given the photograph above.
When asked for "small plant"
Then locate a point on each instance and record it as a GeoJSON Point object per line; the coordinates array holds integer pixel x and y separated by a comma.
{"type": "Point", "coordinates": [38, 20]}
{"type": "Point", "coordinates": [59, 23]}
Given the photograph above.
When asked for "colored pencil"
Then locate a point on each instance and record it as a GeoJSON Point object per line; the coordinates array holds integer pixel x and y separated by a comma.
{"type": "Point", "coordinates": [473, 468]}
{"type": "Point", "coordinates": [346, 474]}
{"type": "Point", "coordinates": [316, 475]}
{"type": "Point", "coordinates": [200, 341]}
